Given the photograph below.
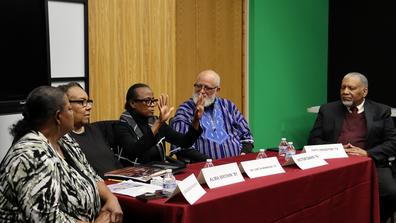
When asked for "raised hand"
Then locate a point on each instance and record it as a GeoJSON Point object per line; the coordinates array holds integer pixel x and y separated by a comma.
{"type": "Point", "coordinates": [164, 110]}
{"type": "Point", "coordinates": [199, 107]}
{"type": "Point", "coordinates": [199, 110]}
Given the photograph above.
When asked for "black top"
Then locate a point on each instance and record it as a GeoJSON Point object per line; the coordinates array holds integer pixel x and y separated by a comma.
{"type": "Point", "coordinates": [144, 149]}
{"type": "Point", "coordinates": [97, 149]}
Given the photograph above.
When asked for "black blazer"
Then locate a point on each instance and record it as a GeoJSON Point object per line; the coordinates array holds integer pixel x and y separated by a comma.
{"type": "Point", "coordinates": [381, 133]}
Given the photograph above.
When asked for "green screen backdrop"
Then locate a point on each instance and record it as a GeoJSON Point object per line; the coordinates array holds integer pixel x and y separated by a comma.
{"type": "Point", "coordinates": [287, 68]}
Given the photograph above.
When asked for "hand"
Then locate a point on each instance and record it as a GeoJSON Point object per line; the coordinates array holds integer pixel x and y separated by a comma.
{"type": "Point", "coordinates": [199, 107]}
{"type": "Point", "coordinates": [164, 109]}
{"type": "Point", "coordinates": [199, 110]}
{"type": "Point", "coordinates": [113, 207]}
{"type": "Point", "coordinates": [103, 217]}
{"type": "Point", "coordinates": [353, 150]}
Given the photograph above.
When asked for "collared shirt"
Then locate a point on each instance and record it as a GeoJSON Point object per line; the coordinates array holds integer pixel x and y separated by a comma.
{"type": "Point", "coordinates": [359, 107]}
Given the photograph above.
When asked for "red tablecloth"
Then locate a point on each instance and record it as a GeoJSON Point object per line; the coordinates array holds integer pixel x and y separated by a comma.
{"type": "Point", "coordinates": [345, 190]}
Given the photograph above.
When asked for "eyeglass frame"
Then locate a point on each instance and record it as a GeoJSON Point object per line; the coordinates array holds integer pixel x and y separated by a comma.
{"type": "Point", "coordinates": [198, 87]}
{"type": "Point", "coordinates": [83, 102]}
{"type": "Point", "coordinates": [147, 101]}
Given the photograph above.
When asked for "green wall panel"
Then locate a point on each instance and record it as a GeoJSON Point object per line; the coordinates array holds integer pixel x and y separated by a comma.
{"type": "Point", "coordinates": [287, 68]}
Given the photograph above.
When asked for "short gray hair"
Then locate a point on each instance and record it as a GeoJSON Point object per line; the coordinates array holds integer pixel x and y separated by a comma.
{"type": "Point", "coordinates": [362, 78]}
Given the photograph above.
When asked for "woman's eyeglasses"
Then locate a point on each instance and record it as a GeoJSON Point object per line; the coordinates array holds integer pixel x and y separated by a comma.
{"type": "Point", "coordinates": [83, 102]}
{"type": "Point", "coordinates": [147, 101]}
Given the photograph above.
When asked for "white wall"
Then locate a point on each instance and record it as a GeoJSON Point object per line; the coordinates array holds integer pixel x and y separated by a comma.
{"type": "Point", "coordinates": [5, 138]}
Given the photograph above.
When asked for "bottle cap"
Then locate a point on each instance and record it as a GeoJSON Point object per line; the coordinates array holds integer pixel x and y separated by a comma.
{"type": "Point", "coordinates": [208, 160]}
{"type": "Point", "coordinates": [262, 150]}
{"type": "Point", "coordinates": [284, 139]}
{"type": "Point", "coordinates": [168, 170]}
{"type": "Point", "coordinates": [291, 143]}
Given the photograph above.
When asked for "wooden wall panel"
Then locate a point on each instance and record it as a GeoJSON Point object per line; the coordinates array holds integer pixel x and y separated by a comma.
{"type": "Point", "coordinates": [163, 43]}
{"type": "Point", "coordinates": [210, 35]}
{"type": "Point", "coordinates": [130, 41]}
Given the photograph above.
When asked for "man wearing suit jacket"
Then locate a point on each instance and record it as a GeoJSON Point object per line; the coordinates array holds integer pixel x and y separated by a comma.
{"type": "Point", "coordinates": [365, 128]}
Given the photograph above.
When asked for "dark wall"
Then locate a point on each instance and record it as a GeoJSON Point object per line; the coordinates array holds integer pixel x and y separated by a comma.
{"type": "Point", "coordinates": [362, 38]}
{"type": "Point", "coordinates": [24, 51]}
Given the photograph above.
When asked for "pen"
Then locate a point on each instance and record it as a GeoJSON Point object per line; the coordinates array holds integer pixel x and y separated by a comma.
{"type": "Point", "coordinates": [115, 180]}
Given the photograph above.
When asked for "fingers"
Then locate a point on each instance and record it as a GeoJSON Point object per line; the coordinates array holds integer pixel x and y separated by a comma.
{"type": "Point", "coordinates": [171, 110]}
{"type": "Point", "coordinates": [116, 217]}
{"type": "Point", "coordinates": [104, 216]}
{"type": "Point", "coordinates": [163, 100]}
{"type": "Point", "coordinates": [200, 100]}
{"type": "Point", "coordinates": [356, 151]}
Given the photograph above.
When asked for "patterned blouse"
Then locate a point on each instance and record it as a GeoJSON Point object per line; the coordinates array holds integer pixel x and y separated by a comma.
{"type": "Point", "coordinates": [36, 185]}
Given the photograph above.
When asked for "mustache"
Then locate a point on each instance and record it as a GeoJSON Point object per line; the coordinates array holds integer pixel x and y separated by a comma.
{"type": "Point", "coordinates": [207, 100]}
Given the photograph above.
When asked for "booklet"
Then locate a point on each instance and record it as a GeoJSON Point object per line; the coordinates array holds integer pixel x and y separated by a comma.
{"type": "Point", "coordinates": [140, 173]}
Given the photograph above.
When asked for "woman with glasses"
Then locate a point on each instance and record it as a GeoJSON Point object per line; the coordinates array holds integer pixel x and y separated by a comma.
{"type": "Point", "coordinates": [95, 144]}
{"type": "Point", "coordinates": [140, 133]}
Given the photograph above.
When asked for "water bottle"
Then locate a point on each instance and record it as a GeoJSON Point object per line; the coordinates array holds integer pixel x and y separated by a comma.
{"type": "Point", "coordinates": [282, 147]}
{"type": "Point", "coordinates": [290, 151]}
{"type": "Point", "coordinates": [169, 183]}
{"type": "Point", "coordinates": [158, 181]}
{"type": "Point", "coordinates": [208, 163]}
{"type": "Point", "coordinates": [261, 154]}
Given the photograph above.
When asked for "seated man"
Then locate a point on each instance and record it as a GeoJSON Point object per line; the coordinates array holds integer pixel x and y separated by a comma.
{"type": "Point", "coordinates": [93, 142]}
{"type": "Point", "coordinates": [225, 131]}
{"type": "Point", "coordinates": [365, 128]}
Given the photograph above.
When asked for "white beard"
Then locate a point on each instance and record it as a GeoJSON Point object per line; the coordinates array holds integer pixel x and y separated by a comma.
{"type": "Point", "coordinates": [207, 101]}
{"type": "Point", "coordinates": [347, 103]}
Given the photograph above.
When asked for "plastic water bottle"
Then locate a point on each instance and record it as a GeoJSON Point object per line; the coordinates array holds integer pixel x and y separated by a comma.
{"type": "Point", "coordinates": [282, 147]}
{"type": "Point", "coordinates": [208, 163]}
{"type": "Point", "coordinates": [169, 183]}
{"type": "Point", "coordinates": [261, 154]}
{"type": "Point", "coordinates": [290, 151]}
{"type": "Point", "coordinates": [158, 181]}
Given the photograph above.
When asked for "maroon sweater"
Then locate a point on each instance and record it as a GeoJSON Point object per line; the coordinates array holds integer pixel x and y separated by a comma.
{"type": "Point", "coordinates": [354, 130]}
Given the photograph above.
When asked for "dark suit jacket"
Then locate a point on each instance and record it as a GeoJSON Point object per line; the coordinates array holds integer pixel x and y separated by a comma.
{"type": "Point", "coordinates": [381, 133]}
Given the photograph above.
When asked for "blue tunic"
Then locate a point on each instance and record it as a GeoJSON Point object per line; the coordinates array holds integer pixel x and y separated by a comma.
{"type": "Point", "coordinates": [224, 128]}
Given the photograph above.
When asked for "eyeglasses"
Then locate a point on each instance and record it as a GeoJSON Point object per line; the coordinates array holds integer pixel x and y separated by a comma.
{"type": "Point", "coordinates": [206, 88]}
{"type": "Point", "coordinates": [148, 101]}
{"type": "Point", "coordinates": [83, 102]}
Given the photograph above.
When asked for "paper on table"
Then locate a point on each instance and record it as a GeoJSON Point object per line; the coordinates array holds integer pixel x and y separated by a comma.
{"type": "Point", "coordinates": [132, 188]}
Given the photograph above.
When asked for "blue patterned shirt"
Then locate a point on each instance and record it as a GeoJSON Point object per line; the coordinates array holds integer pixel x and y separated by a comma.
{"type": "Point", "coordinates": [224, 128]}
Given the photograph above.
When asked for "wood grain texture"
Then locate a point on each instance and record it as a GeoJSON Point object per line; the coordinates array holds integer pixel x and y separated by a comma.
{"type": "Point", "coordinates": [164, 43]}
{"type": "Point", "coordinates": [130, 41]}
{"type": "Point", "coordinates": [210, 35]}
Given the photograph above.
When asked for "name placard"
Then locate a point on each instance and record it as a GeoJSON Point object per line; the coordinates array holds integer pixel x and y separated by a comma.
{"type": "Point", "coordinates": [327, 151]}
{"type": "Point", "coordinates": [307, 160]}
{"type": "Point", "coordinates": [261, 167]}
{"type": "Point", "coordinates": [190, 188]}
{"type": "Point", "coordinates": [221, 175]}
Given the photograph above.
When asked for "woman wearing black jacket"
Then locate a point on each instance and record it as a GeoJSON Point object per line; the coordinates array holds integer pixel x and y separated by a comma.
{"type": "Point", "coordinates": [141, 134]}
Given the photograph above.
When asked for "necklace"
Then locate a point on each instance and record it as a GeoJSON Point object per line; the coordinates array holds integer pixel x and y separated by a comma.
{"type": "Point", "coordinates": [56, 147]}
{"type": "Point", "coordinates": [78, 131]}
